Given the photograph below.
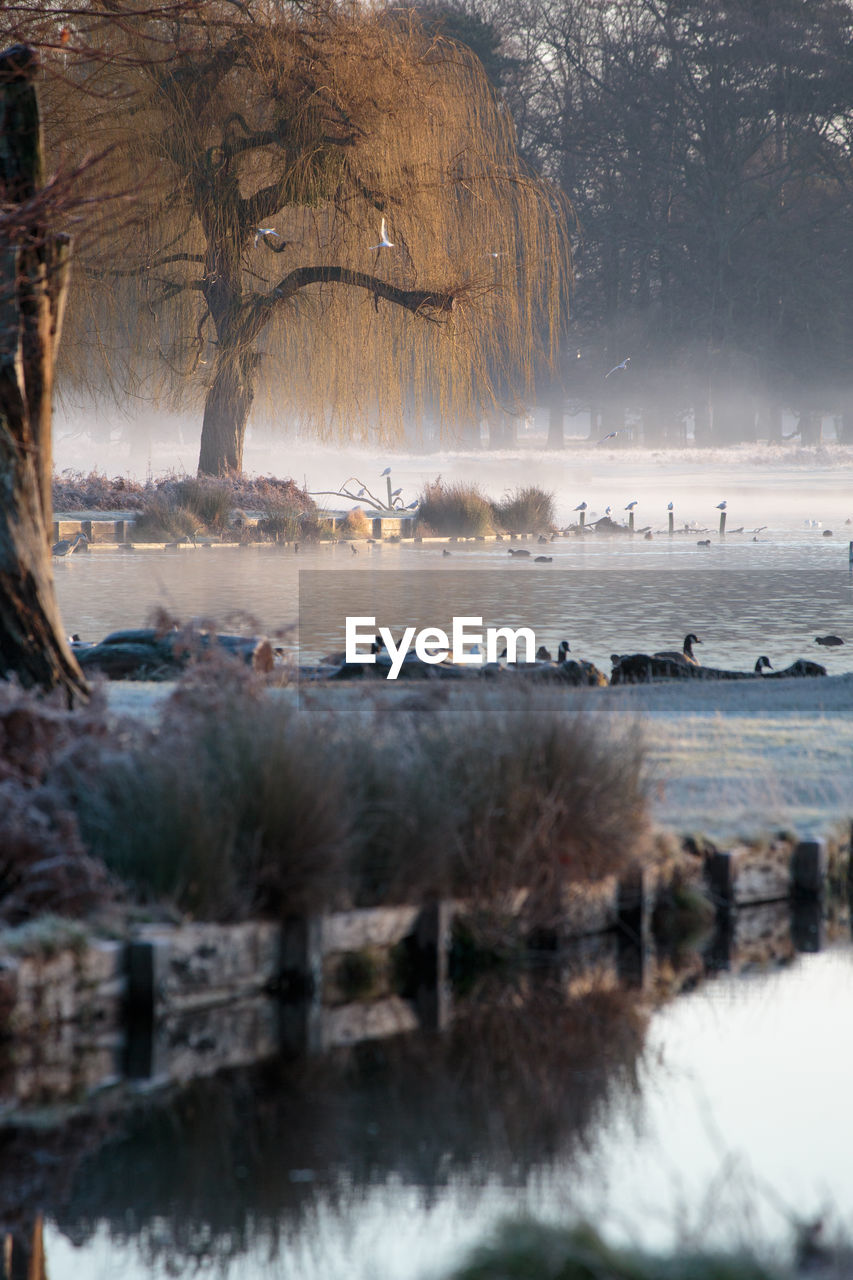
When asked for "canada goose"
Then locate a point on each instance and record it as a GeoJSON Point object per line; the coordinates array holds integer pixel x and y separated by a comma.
{"type": "Point", "coordinates": [543, 655]}
{"type": "Point", "coordinates": [563, 650]}
{"type": "Point", "coordinates": [761, 664]}
{"type": "Point", "coordinates": [686, 654]}
{"type": "Point", "coordinates": [520, 552]}
{"type": "Point", "coordinates": [65, 547]}
{"type": "Point", "coordinates": [543, 559]}
{"type": "Point", "coordinates": [828, 642]}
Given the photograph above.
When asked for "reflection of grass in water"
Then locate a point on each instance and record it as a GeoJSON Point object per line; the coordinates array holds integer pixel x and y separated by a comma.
{"type": "Point", "coordinates": [531, 1251]}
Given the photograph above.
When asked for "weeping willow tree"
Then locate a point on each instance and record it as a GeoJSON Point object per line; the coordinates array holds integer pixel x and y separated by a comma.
{"type": "Point", "coordinates": [328, 208]}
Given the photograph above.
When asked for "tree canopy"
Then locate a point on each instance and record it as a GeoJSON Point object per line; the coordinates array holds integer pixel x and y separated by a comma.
{"type": "Point", "coordinates": [266, 150]}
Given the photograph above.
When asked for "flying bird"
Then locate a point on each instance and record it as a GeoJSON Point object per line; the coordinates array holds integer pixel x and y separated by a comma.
{"type": "Point", "coordinates": [623, 365]}
{"type": "Point", "coordinates": [266, 231]}
{"type": "Point", "coordinates": [611, 435]}
{"type": "Point", "coordinates": [384, 242]}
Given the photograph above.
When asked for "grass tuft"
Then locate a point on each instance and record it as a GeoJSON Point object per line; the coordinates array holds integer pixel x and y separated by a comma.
{"type": "Point", "coordinates": [459, 510]}
{"type": "Point", "coordinates": [527, 510]}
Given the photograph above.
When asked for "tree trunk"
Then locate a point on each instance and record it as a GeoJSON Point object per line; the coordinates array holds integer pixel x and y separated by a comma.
{"type": "Point", "coordinates": [33, 277]}
{"type": "Point", "coordinates": [226, 413]}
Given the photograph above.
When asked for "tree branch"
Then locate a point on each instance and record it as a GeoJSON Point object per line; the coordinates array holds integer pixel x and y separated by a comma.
{"type": "Point", "coordinates": [428, 303]}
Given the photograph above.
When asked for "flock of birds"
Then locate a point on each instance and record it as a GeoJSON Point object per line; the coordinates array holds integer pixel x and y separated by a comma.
{"type": "Point", "coordinates": [633, 668]}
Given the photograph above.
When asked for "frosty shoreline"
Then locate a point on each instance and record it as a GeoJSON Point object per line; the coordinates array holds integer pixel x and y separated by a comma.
{"type": "Point", "coordinates": [729, 760]}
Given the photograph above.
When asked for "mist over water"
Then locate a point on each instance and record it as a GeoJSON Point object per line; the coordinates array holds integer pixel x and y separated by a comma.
{"type": "Point", "coordinates": [781, 486]}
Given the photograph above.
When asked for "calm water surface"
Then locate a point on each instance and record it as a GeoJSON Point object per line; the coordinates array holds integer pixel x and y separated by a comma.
{"type": "Point", "coordinates": [717, 1118]}
{"type": "Point", "coordinates": [742, 598]}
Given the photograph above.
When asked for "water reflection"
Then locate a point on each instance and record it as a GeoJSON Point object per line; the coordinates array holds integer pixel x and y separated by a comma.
{"type": "Point", "coordinates": [558, 1090]}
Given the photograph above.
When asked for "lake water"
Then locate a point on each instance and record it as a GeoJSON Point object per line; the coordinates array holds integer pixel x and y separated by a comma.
{"type": "Point", "coordinates": [605, 595]}
{"type": "Point", "coordinates": [715, 1119]}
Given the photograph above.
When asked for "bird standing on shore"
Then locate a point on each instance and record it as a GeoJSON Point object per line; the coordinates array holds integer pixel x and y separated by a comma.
{"type": "Point", "coordinates": [65, 547]}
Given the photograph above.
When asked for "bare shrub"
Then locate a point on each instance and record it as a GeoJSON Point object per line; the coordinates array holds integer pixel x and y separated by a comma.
{"type": "Point", "coordinates": [44, 866]}
{"type": "Point", "coordinates": [527, 510]}
{"type": "Point", "coordinates": [458, 509]}
{"type": "Point", "coordinates": [74, 491]}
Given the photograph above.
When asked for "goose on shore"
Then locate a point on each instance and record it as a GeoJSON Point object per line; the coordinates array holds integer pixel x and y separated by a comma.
{"type": "Point", "coordinates": [563, 650]}
{"type": "Point", "coordinates": [686, 654]}
{"type": "Point", "coordinates": [761, 664]}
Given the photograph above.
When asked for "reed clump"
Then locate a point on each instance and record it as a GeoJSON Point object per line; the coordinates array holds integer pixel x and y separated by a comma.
{"type": "Point", "coordinates": [355, 524]}
{"type": "Point", "coordinates": [526, 510]}
{"type": "Point", "coordinates": [457, 509]}
{"type": "Point", "coordinates": [241, 804]}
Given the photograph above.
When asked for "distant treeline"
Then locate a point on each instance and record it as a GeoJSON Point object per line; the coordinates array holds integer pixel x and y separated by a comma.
{"type": "Point", "coordinates": [706, 148]}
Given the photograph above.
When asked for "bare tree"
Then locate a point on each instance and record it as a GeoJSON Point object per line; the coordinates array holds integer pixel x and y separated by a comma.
{"type": "Point", "coordinates": [332, 210]}
{"type": "Point", "coordinates": [33, 276]}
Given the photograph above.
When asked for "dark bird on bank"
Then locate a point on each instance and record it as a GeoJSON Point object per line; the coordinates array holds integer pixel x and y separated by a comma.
{"type": "Point", "coordinates": [761, 664]}
{"type": "Point", "coordinates": [543, 541]}
{"type": "Point", "coordinates": [444, 551]}
{"type": "Point", "coordinates": [828, 642]}
{"type": "Point", "coordinates": [520, 552]}
{"type": "Point", "coordinates": [543, 654]}
{"type": "Point", "coordinates": [704, 542]}
{"type": "Point", "coordinates": [65, 547]}
{"type": "Point", "coordinates": [378, 645]}
{"type": "Point", "coordinates": [648, 537]}
{"type": "Point", "coordinates": [686, 654]}
{"type": "Point", "coordinates": [353, 549]}
{"type": "Point", "coordinates": [563, 651]}
{"type": "Point", "coordinates": [827, 533]}
{"type": "Point", "coordinates": [543, 559]}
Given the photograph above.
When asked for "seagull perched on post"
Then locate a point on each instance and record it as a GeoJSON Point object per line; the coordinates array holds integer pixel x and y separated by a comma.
{"type": "Point", "coordinates": [266, 231]}
{"type": "Point", "coordinates": [386, 472]}
{"type": "Point", "coordinates": [581, 506]}
{"type": "Point", "coordinates": [721, 506]}
{"type": "Point", "coordinates": [631, 505]}
{"type": "Point", "coordinates": [384, 242]}
{"type": "Point", "coordinates": [669, 506]}
{"type": "Point", "coordinates": [623, 365]}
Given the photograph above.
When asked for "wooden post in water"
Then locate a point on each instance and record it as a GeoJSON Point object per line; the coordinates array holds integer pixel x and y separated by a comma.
{"type": "Point", "coordinates": [630, 522]}
{"type": "Point", "coordinates": [671, 523]}
{"type": "Point", "coordinates": [850, 555]}
{"type": "Point", "coordinates": [583, 513]}
{"type": "Point", "coordinates": [722, 524]}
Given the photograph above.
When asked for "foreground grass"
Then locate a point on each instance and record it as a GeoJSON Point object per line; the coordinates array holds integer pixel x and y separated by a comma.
{"type": "Point", "coordinates": [240, 804]}
{"type": "Point", "coordinates": [532, 1251]}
